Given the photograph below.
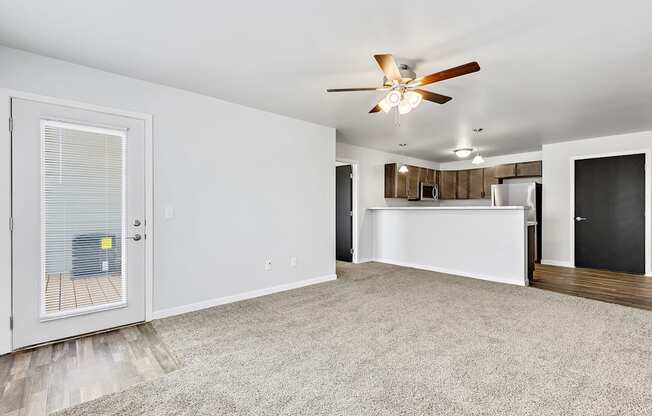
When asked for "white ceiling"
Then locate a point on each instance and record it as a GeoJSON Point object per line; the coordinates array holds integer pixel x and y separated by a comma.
{"type": "Point", "coordinates": [551, 70]}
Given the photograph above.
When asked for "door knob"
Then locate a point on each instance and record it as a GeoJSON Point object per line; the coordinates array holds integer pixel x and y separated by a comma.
{"type": "Point", "coordinates": [579, 219]}
{"type": "Point", "coordinates": [136, 237]}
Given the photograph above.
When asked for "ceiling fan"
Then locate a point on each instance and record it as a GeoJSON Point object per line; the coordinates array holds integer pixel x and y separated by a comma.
{"type": "Point", "coordinates": [403, 85]}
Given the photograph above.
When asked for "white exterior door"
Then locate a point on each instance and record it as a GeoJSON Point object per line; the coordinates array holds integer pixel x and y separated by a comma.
{"type": "Point", "coordinates": [78, 208]}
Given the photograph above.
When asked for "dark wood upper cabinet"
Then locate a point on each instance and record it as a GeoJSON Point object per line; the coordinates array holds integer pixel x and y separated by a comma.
{"type": "Point", "coordinates": [462, 184]}
{"type": "Point", "coordinates": [390, 180]}
{"type": "Point", "coordinates": [413, 182]}
{"type": "Point", "coordinates": [395, 182]}
{"type": "Point", "coordinates": [488, 178]}
{"type": "Point", "coordinates": [426, 175]}
{"type": "Point", "coordinates": [476, 185]}
{"type": "Point", "coordinates": [505, 171]}
{"type": "Point", "coordinates": [454, 184]}
{"type": "Point", "coordinates": [448, 184]}
{"type": "Point", "coordinates": [528, 168]}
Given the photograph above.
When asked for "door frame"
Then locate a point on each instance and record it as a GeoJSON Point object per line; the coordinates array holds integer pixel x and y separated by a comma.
{"type": "Point", "coordinates": [6, 255]}
{"type": "Point", "coordinates": [648, 202]}
{"type": "Point", "coordinates": [354, 197]}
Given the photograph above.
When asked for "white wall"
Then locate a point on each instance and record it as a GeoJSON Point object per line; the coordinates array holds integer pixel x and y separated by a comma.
{"type": "Point", "coordinates": [557, 216]}
{"type": "Point", "coordinates": [245, 184]}
{"type": "Point", "coordinates": [371, 188]}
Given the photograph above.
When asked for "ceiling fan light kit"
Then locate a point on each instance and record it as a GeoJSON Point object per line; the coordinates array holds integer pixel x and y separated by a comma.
{"type": "Point", "coordinates": [402, 84]}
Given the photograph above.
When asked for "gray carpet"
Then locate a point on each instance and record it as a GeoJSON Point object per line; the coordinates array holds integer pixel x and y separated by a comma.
{"type": "Point", "coordinates": [385, 340]}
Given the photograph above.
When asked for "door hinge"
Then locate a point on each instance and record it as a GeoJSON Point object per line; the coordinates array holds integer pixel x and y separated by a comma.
{"type": "Point", "coordinates": [11, 125]}
{"type": "Point", "coordinates": [351, 213]}
{"type": "Point", "coordinates": [11, 224]}
{"type": "Point", "coordinates": [351, 175]}
{"type": "Point", "coordinates": [11, 322]}
{"type": "Point", "coordinates": [351, 251]}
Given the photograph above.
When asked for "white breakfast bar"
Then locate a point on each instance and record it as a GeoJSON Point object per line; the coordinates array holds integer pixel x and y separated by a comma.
{"type": "Point", "coordinates": [482, 242]}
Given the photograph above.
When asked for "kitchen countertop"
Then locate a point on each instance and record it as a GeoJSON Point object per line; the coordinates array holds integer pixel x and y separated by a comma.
{"type": "Point", "coordinates": [466, 208]}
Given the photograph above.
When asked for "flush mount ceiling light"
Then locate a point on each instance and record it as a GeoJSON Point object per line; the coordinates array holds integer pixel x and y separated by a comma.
{"type": "Point", "coordinates": [463, 152]}
{"type": "Point", "coordinates": [402, 85]}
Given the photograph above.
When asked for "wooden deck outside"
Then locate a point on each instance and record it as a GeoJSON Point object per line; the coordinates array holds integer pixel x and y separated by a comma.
{"type": "Point", "coordinates": [63, 293]}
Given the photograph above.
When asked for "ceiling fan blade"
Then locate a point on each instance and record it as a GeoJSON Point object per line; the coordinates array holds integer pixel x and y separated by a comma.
{"type": "Point", "coordinates": [434, 97]}
{"type": "Point", "coordinates": [375, 109]}
{"type": "Point", "coordinates": [353, 89]}
{"type": "Point", "coordinates": [446, 74]}
{"type": "Point", "coordinates": [389, 67]}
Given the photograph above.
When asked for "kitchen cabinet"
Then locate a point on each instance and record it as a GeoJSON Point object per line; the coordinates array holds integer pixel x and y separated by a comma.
{"type": "Point", "coordinates": [426, 175]}
{"type": "Point", "coordinates": [505, 171]}
{"type": "Point", "coordinates": [528, 169]}
{"type": "Point", "coordinates": [462, 184]}
{"type": "Point", "coordinates": [454, 184]}
{"type": "Point", "coordinates": [476, 185]}
{"type": "Point", "coordinates": [488, 178]}
{"type": "Point", "coordinates": [395, 182]}
{"type": "Point", "coordinates": [413, 182]}
{"type": "Point", "coordinates": [448, 184]}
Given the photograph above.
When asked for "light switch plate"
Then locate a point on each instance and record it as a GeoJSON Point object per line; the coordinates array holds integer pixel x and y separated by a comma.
{"type": "Point", "coordinates": [293, 262]}
{"type": "Point", "coordinates": [169, 213]}
{"type": "Point", "coordinates": [268, 264]}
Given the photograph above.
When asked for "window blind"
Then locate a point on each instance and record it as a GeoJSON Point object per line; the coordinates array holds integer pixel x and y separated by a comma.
{"type": "Point", "coordinates": [82, 200]}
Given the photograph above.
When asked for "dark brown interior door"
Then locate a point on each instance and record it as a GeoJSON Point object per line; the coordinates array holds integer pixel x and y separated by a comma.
{"type": "Point", "coordinates": [610, 213]}
{"type": "Point", "coordinates": [344, 219]}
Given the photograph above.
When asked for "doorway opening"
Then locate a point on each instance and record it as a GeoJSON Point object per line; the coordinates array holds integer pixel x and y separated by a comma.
{"type": "Point", "coordinates": [346, 211]}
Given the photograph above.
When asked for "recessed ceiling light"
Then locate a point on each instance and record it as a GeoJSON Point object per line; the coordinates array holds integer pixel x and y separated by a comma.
{"type": "Point", "coordinates": [464, 152]}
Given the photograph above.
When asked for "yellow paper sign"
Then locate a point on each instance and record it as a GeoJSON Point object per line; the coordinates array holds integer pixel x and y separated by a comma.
{"type": "Point", "coordinates": [106, 243]}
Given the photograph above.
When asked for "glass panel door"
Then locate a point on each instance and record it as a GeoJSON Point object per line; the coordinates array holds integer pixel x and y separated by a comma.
{"type": "Point", "coordinates": [83, 218]}
{"type": "Point", "coordinates": [78, 204]}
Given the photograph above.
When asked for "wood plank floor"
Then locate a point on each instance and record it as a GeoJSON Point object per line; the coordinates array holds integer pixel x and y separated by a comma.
{"type": "Point", "coordinates": [621, 288]}
{"type": "Point", "coordinates": [57, 376]}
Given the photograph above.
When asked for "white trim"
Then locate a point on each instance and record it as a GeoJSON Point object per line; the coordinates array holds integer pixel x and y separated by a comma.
{"type": "Point", "coordinates": [178, 310]}
{"type": "Point", "coordinates": [496, 279]}
{"type": "Point", "coordinates": [648, 202]}
{"type": "Point", "coordinates": [356, 177]}
{"type": "Point", "coordinates": [558, 263]}
{"type": "Point", "coordinates": [5, 269]}
{"type": "Point", "coordinates": [5, 234]}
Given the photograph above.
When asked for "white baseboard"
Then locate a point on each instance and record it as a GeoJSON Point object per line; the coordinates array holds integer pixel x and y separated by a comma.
{"type": "Point", "coordinates": [365, 260]}
{"type": "Point", "coordinates": [558, 263]}
{"type": "Point", "coordinates": [178, 310]}
{"type": "Point", "coordinates": [497, 279]}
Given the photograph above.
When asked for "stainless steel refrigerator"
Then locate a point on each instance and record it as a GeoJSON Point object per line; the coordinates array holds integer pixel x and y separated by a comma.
{"type": "Point", "coordinates": [521, 194]}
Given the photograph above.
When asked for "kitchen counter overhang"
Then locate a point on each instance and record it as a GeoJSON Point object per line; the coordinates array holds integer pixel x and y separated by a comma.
{"type": "Point", "coordinates": [488, 243]}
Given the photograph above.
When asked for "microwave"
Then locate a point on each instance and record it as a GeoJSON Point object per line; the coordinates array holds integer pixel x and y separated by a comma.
{"type": "Point", "coordinates": [428, 191]}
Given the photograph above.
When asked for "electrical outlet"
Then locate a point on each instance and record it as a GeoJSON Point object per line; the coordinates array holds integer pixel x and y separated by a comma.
{"type": "Point", "coordinates": [268, 264]}
{"type": "Point", "coordinates": [293, 262]}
